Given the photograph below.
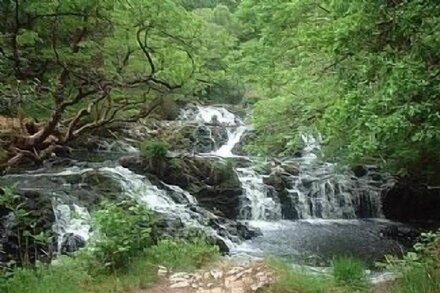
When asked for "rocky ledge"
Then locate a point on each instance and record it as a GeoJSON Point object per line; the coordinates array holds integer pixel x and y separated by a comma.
{"type": "Point", "coordinates": [211, 180]}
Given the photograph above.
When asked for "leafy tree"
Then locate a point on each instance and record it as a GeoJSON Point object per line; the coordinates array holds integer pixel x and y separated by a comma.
{"type": "Point", "coordinates": [80, 65]}
{"type": "Point", "coordinates": [363, 73]}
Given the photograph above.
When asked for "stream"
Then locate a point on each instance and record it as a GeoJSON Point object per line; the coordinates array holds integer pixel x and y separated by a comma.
{"type": "Point", "coordinates": [306, 210]}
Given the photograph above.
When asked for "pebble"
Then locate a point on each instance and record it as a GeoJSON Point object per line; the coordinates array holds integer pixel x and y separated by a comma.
{"type": "Point", "coordinates": [216, 274]}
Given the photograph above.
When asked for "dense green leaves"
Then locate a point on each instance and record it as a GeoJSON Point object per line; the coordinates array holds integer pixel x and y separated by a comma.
{"type": "Point", "coordinates": [364, 73]}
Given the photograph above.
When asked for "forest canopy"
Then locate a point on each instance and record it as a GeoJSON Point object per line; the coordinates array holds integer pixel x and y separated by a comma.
{"type": "Point", "coordinates": [364, 75]}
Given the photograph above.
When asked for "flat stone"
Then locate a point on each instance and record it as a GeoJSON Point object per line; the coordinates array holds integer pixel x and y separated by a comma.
{"type": "Point", "coordinates": [178, 280]}
{"type": "Point", "coordinates": [248, 281]}
{"type": "Point", "coordinates": [257, 286]}
{"type": "Point", "coordinates": [234, 271]}
{"type": "Point", "coordinates": [216, 274]}
{"type": "Point", "coordinates": [248, 271]}
{"type": "Point", "coordinates": [162, 272]}
{"type": "Point", "coordinates": [183, 284]}
{"type": "Point", "coordinates": [179, 275]}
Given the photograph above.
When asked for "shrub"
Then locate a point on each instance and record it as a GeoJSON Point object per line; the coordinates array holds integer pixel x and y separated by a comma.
{"type": "Point", "coordinates": [154, 149]}
{"type": "Point", "coordinates": [183, 254]}
{"type": "Point", "coordinates": [349, 271]}
{"type": "Point", "coordinates": [123, 231]}
{"type": "Point", "coordinates": [30, 238]}
{"type": "Point", "coordinates": [419, 269]}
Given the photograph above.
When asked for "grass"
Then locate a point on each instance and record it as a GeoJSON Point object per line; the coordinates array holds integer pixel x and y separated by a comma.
{"type": "Point", "coordinates": [67, 276]}
{"type": "Point", "coordinates": [183, 255]}
{"type": "Point", "coordinates": [349, 271]}
{"type": "Point", "coordinates": [141, 274]}
{"type": "Point", "coordinates": [348, 277]}
{"type": "Point", "coordinates": [291, 280]}
{"type": "Point", "coordinates": [70, 275]}
{"type": "Point", "coordinates": [418, 279]}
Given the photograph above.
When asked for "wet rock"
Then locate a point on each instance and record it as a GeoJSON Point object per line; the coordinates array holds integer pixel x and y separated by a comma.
{"type": "Point", "coordinates": [278, 178]}
{"type": "Point", "coordinates": [211, 180]}
{"type": "Point", "coordinates": [360, 171]}
{"type": "Point", "coordinates": [246, 232]}
{"type": "Point", "coordinates": [206, 138]}
{"type": "Point", "coordinates": [410, 200]}
{"type": "Point", "coordinates": [406, 235]}
{"type": "Point", "coordinates": [71, 243]}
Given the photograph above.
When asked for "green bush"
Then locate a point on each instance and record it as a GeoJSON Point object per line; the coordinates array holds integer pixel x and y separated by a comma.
{"type": "Point", "coordinates": [419, 269]}
{"type": "Point", "coordinates": [32, 233]}
{"type": "Point", "coordinates": [123, 231]}
{"type": "Point", "coordinates": [154, 149]}
{"type": "Point", "coordinates": [183, 254]}
{"type": "Point", "coordinates": [349, 271]}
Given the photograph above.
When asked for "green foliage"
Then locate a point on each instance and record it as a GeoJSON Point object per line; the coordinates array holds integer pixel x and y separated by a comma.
{"type": "Point", "coordinates": [69, 275]}
{"type": "Point", "coordinates": [66, 276]}
{"type": "Point", "coordinates": [181, 254]}
{"type": "Point", "coordinates": [349, 271]}
{"type": "Point", "coordinates": [73, 275]}
{"type": "Point", "coordinates": [419, 269]}
{"type": "Point", "coordinates": [31, 235]}
{"type": "Point", "coordinates": [154, 149]}
{"type": "Point", "coordinates": [196, 4]}
{"type": "Point", "coordinates": [83, 65]}
{"type": "Point", "coordinates": [122, 231]}
{"type": "Point", "coordinates": [363, 73]}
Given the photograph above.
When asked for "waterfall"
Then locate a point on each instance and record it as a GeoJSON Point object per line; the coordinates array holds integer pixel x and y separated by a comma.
{"type": "Point", "coordinates": [288, 205]}
{"type": "Point", "coordinates": [234, 137]}
{"type": "Point", "coordinates": [256, 205]}
{"type": "Point", "coordinates": [317, 190]}
{"type": "Point", "coordinates": [70, 220]}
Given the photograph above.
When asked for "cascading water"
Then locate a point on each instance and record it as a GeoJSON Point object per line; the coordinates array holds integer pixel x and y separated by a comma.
{"type": "Point", "coordinates": [256, 204]}
{"type": "Point", "coordinates": [72, 226]}
{"type": "Point", "coordinates": [302, 189]}
{"type": "Point", "coordinates": [320, 191]}
{"type": "Point", "coordinates": [312, 190]}
{"type": "Point", "coordinates": [234, 137]}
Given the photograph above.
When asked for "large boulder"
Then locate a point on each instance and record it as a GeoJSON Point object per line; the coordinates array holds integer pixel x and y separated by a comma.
{"type": "Point", "coordinates": [408, 201]}
{"type": "Point", "coordinates": [211, 180]}
{"type": "Point", "coordinates": [280, 179]}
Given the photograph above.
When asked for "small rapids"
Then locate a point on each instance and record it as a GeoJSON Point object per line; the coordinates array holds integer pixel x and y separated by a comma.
{"type": "Point", "coordinates": [320, 212]}
{"type": "Point", "coordinates": [307, 210]}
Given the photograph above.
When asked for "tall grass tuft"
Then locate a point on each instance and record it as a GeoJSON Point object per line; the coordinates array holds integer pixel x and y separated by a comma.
{"type": "Point", "coordinates": [291, 280]}
{"type": "Point", "coordinates": [349, 271]}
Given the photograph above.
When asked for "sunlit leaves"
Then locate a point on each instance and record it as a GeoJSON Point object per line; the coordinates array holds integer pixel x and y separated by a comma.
{"type": "Point", "coordinates": [364, 72]}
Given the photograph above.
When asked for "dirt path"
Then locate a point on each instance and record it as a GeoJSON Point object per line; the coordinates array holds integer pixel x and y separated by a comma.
{"type": "Point", "coordinates": [226, 277]}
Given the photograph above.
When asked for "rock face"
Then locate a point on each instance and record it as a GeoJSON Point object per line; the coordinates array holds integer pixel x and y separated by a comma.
{"type": "Point", "coordinates": [409, 200]}
{"type": "Point", "coordinates": [212, 181]}
{"type": "Point", "coordinates": [279, 179]}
